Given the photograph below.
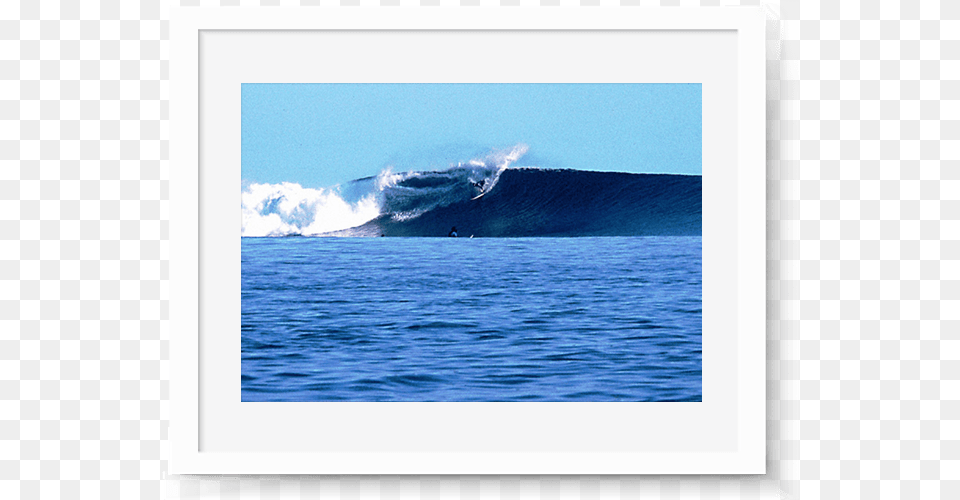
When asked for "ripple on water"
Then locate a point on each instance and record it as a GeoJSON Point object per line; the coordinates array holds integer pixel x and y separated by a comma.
{"type": "Point", "coordinates": [416, 319]}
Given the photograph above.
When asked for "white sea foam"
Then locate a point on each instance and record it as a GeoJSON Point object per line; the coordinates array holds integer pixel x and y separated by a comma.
{"type": "Point", "coordinates": [288, 208]}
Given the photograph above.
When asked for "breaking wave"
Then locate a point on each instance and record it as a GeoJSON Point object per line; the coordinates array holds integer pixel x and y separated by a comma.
{"type": "Point", "coordinates": [483, 197]}
{"type": "Point", "coordinates": [288, 209]}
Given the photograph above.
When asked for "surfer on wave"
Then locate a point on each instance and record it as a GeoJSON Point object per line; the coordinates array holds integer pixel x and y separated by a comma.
{"type": "Point", "coordinates": [453, 232]}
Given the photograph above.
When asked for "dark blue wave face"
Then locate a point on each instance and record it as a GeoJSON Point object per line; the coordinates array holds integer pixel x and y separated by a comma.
{"type": "Point", "coordinates": [497, 319]}
{"type": "Point", "coordinates": [522, 202]}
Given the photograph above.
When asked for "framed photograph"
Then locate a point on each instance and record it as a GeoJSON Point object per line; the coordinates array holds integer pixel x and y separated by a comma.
{"type": "Point", "coordinates": [468, 241]}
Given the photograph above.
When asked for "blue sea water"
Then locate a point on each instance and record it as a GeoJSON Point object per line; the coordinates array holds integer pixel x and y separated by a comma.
{"type": "Point", "coordinates": [481, 319]}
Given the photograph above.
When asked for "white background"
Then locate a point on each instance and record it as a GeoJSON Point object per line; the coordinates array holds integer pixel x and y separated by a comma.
{"type": "Point", "coordinates": [863, 275]}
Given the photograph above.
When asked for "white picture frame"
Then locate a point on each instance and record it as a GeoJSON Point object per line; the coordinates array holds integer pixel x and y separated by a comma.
{"type": "Point", "coordinates": [213, 50]}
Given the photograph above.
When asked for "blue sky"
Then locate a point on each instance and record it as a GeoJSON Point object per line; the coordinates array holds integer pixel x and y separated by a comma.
{"type": "Point", "coordinates": [323, 134]}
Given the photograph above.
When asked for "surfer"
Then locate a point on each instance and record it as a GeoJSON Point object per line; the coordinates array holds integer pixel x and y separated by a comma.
{"type": "Point", "coordinates": [480, 191]}
{"type": "Point", "coordinates": [453, 232]}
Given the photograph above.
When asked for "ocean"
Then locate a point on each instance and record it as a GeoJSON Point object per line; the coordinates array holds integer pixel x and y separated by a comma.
{"type": "Point", "coordinates": [613, 318]}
